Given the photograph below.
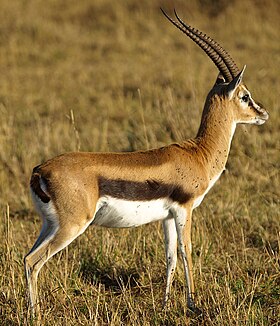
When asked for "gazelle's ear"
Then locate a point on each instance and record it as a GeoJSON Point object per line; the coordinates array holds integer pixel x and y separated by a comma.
{"type": "Point", "coordinates": [235, 83]}
{"type": "Point", "coordinates": [220, 79]}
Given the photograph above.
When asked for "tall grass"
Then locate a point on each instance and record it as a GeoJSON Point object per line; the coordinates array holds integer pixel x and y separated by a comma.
{"type": "Point", "coordinates": [103, 76]}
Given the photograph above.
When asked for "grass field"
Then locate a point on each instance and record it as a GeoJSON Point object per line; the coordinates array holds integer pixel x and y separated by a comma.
{"type": "Point", "coordinates": [104, 76]}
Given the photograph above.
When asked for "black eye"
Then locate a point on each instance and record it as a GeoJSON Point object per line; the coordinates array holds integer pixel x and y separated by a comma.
{"type": "Point", "coordinates": [245, 98]}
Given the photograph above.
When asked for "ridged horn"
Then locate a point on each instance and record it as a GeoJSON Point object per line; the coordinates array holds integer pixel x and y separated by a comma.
{"type": "Point", "coordinates": [231, 65]}
{"type": "Point", "coordinates": [216, 53]}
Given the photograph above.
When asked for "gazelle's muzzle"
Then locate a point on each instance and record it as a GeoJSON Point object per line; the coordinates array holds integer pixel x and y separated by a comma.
{"type": "Point", "coordinates": [262, 114]}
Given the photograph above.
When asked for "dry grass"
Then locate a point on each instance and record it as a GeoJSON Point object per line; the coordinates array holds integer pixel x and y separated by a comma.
{"type": "Point", "coordinates": [116, 76]}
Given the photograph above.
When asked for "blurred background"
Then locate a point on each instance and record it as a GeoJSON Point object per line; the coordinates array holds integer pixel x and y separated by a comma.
{"type": "Point", "coordinates": [102, 76]}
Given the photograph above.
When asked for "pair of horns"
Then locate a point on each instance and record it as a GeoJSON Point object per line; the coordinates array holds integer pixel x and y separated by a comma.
{"type": "Point", "coordinates": [216, 53]}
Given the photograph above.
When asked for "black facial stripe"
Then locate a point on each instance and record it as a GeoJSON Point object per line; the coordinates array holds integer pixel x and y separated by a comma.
{"type": "Point", "coordinates": [259, 108]}
{"type": "Point", "coordinates": [259, 104]}
{"type": "Point", "coordinates": [142, 191]}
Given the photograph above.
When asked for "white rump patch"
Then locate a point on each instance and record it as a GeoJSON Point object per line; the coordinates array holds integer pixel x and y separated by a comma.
{"type": "Point", "coordinates": [50, 220]}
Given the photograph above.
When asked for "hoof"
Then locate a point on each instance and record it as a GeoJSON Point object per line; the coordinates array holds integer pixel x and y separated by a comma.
{"type": "Point", "coordinates": [193, 309]}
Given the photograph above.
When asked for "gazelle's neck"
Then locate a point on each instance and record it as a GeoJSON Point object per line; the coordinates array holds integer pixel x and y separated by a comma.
{"type": "Point", "coordinates": [215, 133]}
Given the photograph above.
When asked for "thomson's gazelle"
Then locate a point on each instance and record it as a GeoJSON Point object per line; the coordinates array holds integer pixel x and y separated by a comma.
{"type": "Point", "coordinates": [120, 190]}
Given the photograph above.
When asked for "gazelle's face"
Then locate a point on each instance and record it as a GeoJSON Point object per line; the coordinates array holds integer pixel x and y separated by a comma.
{"type": "Point", "coordinates": [246, 110]}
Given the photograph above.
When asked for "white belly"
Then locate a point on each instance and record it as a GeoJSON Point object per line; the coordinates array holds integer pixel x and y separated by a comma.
{"type": "Point", "coordinates": [119, 213]}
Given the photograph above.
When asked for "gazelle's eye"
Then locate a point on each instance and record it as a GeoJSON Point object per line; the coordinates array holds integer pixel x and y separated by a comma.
{"type": "Point", "coordinates": [245, 98]}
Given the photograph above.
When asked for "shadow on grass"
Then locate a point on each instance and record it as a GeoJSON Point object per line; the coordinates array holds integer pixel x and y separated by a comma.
{"type": "Point", "coordinates": [94, 272]}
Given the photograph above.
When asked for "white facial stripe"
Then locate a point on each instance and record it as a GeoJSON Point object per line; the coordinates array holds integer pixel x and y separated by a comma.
{"type": "Point", "coordinates": [244, 92]}
{"type": "Point", "coordinates": [247, 92]}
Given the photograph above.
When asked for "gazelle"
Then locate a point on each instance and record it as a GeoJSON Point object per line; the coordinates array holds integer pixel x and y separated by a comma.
{"type": "Point", "coordinates": [121, 190]}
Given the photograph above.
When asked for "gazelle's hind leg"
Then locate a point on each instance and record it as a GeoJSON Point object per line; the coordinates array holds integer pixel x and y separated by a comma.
{"type": "Point", "coordinates": [53, 238]}
{"type": "Point", "coordinates": [35, 259]}
{"type": "Point", "coordinates": [170, 237]}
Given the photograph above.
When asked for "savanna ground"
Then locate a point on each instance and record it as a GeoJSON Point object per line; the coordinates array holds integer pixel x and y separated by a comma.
{"type": "Point", "coordinates": [116, 76]}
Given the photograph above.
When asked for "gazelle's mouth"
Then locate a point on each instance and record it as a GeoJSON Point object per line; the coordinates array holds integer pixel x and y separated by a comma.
{"type": "Point", "coordinates": [261, 120]}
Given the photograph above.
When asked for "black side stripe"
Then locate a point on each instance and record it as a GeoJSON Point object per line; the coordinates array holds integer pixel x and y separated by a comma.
{"type": "Point", "coordinates": [142, 191]}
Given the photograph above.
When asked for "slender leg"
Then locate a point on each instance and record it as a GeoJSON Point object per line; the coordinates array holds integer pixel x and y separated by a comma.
{"type": "Point", "coordinates": [188, 246]}
{"type": "Point", "coordinates": [170, 236]}
{"type": "Point", "coordinates": [33, 262]}
{"type": "Point", "coordinates": [182, 220]}
{"type": "Point", "coordinates": [52, 239]}
{"type": "Point", "coordinates": [35, 259]}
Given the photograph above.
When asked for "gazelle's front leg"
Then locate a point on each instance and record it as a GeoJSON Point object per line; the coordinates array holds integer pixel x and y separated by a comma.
{"type": "Point", "coordinates": [170, 237]}
{"type": "Point", "coordinates": [182, 217]}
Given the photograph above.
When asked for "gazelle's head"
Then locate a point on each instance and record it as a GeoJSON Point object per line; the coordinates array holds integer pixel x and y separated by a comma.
{"type": "Point", "coordinates": [229, 83]}
{"type": "Point", "coordinates": [239, 100]}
